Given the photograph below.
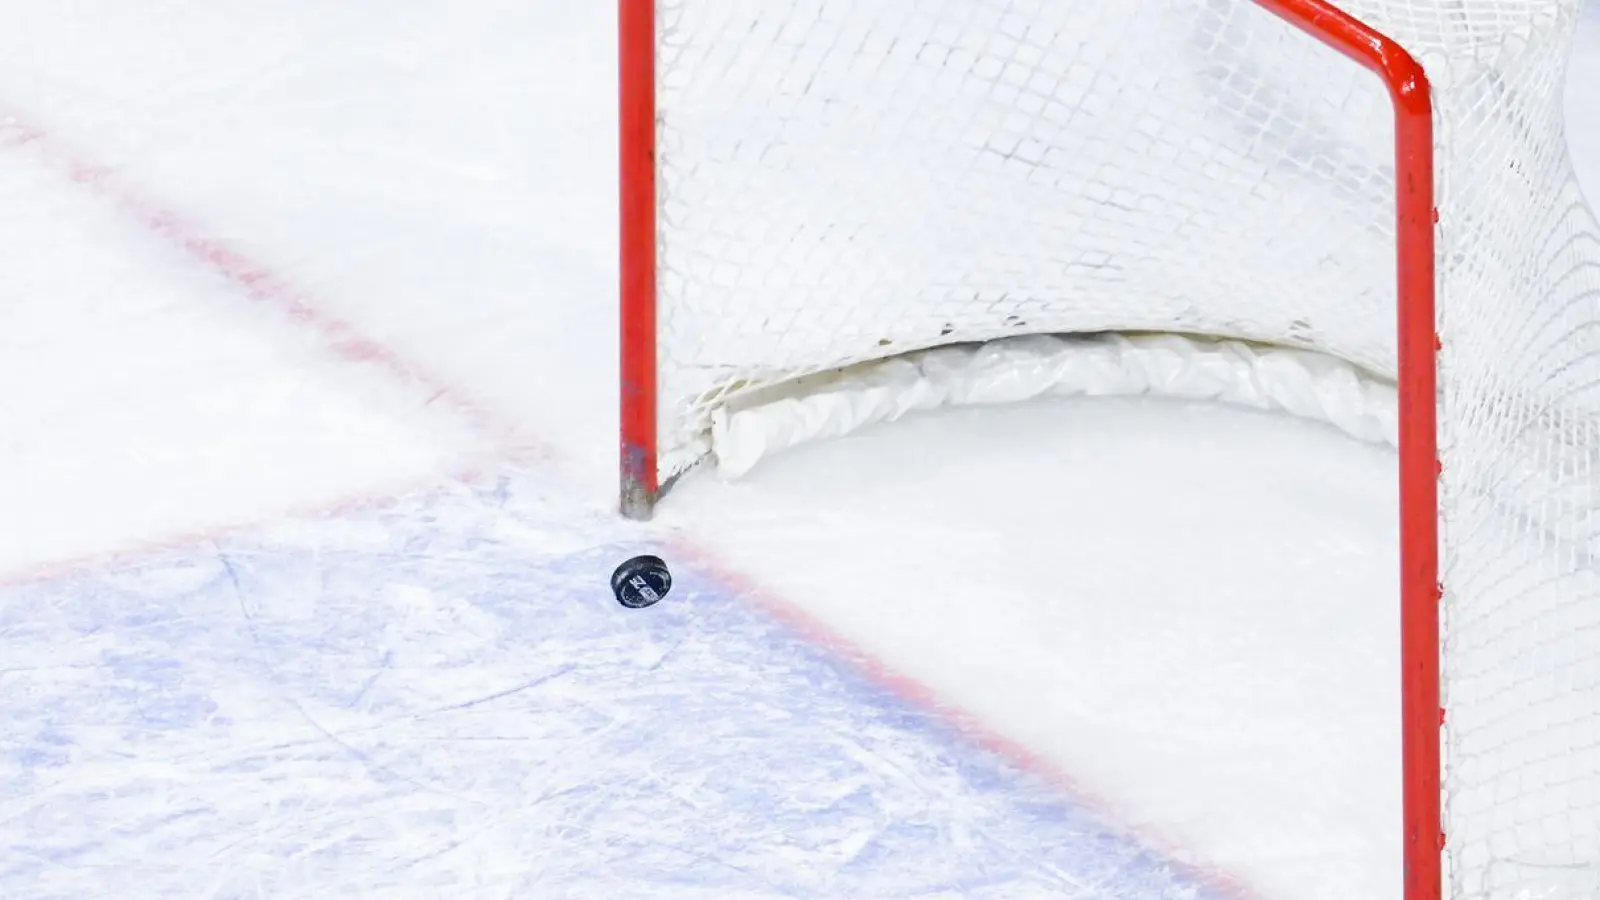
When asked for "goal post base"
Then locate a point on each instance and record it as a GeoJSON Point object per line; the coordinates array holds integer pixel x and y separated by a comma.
{"type": "Point", "coordinates": [637, 503]}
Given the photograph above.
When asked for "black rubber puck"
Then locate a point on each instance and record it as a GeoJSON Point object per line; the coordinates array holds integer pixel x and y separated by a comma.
{"type": "Point", "coordinates": [641, 582]}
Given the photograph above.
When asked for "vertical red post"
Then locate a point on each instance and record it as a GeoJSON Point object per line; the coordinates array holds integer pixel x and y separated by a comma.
{"type": "Point", "coordinates": [1420, 592]}
{"type": "Point", "coordinates": [636, 135]}
{"type": "Point", "coordinates": [1415, 204]}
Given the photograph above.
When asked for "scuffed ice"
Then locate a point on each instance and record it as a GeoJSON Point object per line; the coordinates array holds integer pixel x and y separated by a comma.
{"type": "Point", "coordinates": [442, 700]}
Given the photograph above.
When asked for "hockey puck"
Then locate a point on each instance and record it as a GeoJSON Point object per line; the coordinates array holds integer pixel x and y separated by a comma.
{"type": "Point", "coordinates": [641, 582]}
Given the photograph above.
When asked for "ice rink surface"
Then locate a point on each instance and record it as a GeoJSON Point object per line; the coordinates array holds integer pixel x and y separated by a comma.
{"type": "Point", "coordinates": [307, 449]}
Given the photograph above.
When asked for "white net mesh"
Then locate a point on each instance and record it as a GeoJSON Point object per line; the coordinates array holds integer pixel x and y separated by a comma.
{"type": "Point", "coordinates": [846, 181]}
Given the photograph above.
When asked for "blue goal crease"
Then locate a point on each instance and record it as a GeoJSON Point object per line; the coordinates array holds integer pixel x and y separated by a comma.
{"type": "Point", "coordinates": [443, 699]}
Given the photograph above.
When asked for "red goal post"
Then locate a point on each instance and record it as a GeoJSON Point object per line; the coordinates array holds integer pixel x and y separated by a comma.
{"type": "Point", "coordinates": [1416, 211]}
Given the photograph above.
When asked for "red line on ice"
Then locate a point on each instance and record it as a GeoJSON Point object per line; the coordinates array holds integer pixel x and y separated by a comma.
{"type": "Point", "coordinates": [971, 727]}
{"type": "Point", "coordinates": [259, 283]}
{"type": "Point", "coordinates": [372, 499]}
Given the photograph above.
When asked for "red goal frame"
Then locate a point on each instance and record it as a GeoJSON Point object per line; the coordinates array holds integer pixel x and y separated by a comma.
{"type": "Point", "coordinates": [1417, 347]}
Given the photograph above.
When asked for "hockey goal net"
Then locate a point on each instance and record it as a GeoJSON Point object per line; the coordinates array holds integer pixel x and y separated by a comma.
{"type": "Point", "coordinates": [836, 211]}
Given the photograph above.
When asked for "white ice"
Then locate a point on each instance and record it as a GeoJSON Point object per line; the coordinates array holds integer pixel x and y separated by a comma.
{"type": "Point", "coordinates": [1186, 611]}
